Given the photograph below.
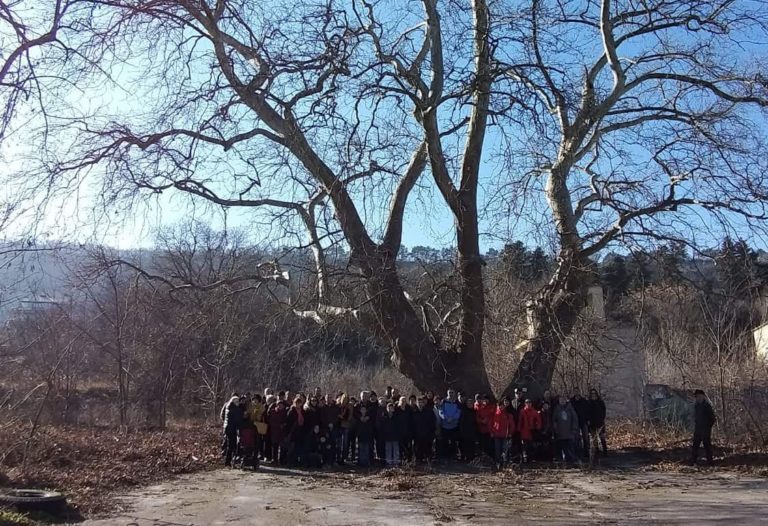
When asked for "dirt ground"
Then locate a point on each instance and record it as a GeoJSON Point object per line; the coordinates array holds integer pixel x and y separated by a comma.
{"type": "Point", "coordinates": [622, 492]}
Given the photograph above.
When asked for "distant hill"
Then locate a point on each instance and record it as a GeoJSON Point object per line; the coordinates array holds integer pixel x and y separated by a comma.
{"type": "Point", "coordinates": [35, 275]}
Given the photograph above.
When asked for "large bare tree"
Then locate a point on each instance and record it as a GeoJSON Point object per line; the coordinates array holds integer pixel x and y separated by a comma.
{"type": "Point", "coordinates": [645, 119]}
{"type": "Point", "coordinates": [619, 119]}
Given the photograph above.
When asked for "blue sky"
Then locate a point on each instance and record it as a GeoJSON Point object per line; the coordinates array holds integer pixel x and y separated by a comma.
{"type": "Point", "coordinates": [428, 220]}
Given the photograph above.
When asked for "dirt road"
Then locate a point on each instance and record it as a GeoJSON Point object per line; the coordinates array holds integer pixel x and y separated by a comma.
{"type": "Point", "coordinates": [279, 497]}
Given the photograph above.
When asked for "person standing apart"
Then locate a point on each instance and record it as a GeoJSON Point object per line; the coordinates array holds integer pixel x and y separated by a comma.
{"type": "Point", "coordinates": [703, 420]}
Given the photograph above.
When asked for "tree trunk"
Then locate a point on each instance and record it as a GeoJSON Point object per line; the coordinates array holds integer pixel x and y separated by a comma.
{"type": "Point", "coordinates": [471, 362]}
{"type": "Point", "coordinates": [552, 316]}
{"type": "Point", "coordinates": [414, 353]}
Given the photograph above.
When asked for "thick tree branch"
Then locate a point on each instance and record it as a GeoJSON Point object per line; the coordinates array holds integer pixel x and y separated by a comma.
{"type": "Point", "coordinates": [394, 229]}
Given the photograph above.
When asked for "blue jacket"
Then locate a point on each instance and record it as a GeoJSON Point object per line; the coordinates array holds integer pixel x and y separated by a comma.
{"type": "Point", "coordinates": [449, 412]}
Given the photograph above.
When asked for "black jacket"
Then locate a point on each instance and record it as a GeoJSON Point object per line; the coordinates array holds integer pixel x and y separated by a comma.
{"type": "Point", "coordinates": [313, 442]}
{"type": "Point", "coordinates": [373, 412]}
{"type": "Point", "coordinates": [293, 429]}
{"type": "Point", "coordinates": [234, 416]}
{"type": "Point", "coordinates": [404, 422]}
{"type": "Point", "coordinates": [595, 414]}
{"type": "Point", "coordinates": [580, 406]}
{"type": "Point", "coordinates": [311, 417]}
{"type": "Point", "coordinates": [319, 443]}
{"type": "Point", "coordinates": [547, 425]}
{"type": "Point", "coordinates": [468, 424]}
{"type": "Point", "coordinates": [363, 429]}
{"type": "Point", "coordinates": [389, 430]}
{"type": "Point", "coordinates": [329, 414]}
{"type": "Point", "coordinates": [423, 423]}
{"type": "Point", "coordinates": [704, 417]}
{"type": "Point", "coordinates": [515, 406]}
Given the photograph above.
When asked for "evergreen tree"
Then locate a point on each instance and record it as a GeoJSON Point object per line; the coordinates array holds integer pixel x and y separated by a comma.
{"type": "Point", "coordinates": [639, 271]}
{"type": "Point", "coordinates": [539, 263]}
{"type": "Point", "coordinates": [669, 260]}
{"type": "Point", "coordinates": [614, 276]}
{"type": "Point", "coordinates": [514, 258]}
{"type": "Point", "coordinates": [736, 266]}
{"type": "Point", "coordinates": [425, 254]}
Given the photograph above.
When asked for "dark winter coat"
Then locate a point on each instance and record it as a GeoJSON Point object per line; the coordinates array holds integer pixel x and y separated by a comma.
{"type": "Point", "coordinates": [388, 428]}
{"type": "Point", "coordinates": [565, 422]}
{"type": "Point", "coordinates": [329, 415]}
{"type": "Point", "coordinates": [580, 406]}
{"type": "Point", "coordinates": [276, 420]}
{"type": "Point", "coordinates": [595, 414]}
{"type": "Point", "coordinates": [364, 428]}
{"type": "Point", "coordinates": [374, 412]}
{"type": "Point", "coordinates": [515, 406]}
{"type": "Point", "coordinates": [233, 415]}
{"type": "Point", "coordinates": [468, 424]}
{"type": "Point", "coordinates": [311, 417]}
{"type": "Point", "coordinates": [404, 423]}
{"type": "Point", "coordinates": [423, 422]}
{"type": "Point", "coordinates": [378, 422]}
{"type": "Point", "coordinates": [546, 431]}
{"type": "Point", "coordinates": [318, 442]}
{"type": "Point", "coordinates": [295, 430]}
{"type": "Point", "coordinates": [347, 416]}
{"type": "Point", "coordinates": [703, 418]}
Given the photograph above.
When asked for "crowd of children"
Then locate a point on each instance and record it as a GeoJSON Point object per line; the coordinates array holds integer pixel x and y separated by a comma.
{"type": "Point", "coordinates": [317, 430]}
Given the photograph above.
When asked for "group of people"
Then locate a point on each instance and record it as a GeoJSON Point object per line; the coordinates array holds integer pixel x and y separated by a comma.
{"type": "Point", "coordinates": [318, 430]}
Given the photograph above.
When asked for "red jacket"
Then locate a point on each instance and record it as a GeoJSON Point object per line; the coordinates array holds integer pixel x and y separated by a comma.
{"type": "Point", "coordinates": [528, 422]}
{"type": "Point", "coordinates": [503, 424]}
{"type": "Point", "coordinates": [484, 416]}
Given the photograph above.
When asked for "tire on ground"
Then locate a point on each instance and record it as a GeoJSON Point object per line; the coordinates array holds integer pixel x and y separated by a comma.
{"type": "Point", "coordinates": [33, 499]}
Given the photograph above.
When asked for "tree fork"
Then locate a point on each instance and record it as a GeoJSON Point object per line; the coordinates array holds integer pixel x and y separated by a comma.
{"type": "Point", "coordinates": [414, 353]}
{"type": "Point", "coordinates": [552, 316]}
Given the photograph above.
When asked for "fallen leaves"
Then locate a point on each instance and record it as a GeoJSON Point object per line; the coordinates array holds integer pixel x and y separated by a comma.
{"type": "Point", "coordinates": [91, 464]}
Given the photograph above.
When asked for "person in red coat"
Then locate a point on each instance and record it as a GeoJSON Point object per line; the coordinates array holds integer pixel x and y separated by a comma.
{"type": "Point", "coordinates": [484, 411]}
{"type": "Point", "coordinates": [276, 419]}
{"type": "Point", "coordinates": [502, 429]}
{"type": "Point", "coordinates": [528, 423]}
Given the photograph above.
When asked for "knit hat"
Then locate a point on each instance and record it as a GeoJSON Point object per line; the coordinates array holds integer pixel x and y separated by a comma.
{"type": "Point", "coordinates": [699, 392]}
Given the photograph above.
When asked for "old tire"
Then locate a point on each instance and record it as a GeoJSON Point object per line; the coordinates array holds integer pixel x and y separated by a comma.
{"type": "Point", "coordinates": [33, 499]}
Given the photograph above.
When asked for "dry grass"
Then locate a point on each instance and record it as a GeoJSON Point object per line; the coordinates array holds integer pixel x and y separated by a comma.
{"type": "Point", "coordinates": [667, 449]}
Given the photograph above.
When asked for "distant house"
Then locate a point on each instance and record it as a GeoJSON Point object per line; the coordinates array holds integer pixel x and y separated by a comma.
{"type": "Point", "coordinates": [760, 332]}
{"type": "Point", "coordinates": [760, 335]}
{"type": "Point", "coordinates": [34, 306]}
